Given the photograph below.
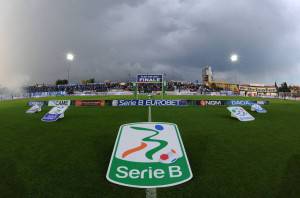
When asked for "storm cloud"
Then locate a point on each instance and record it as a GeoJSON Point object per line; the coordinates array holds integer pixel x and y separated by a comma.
{"type": "Point", "coordinates": [115, 40]}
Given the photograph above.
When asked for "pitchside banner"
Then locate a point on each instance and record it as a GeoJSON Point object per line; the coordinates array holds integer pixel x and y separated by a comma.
{"type": "Point", "coordinates": [55, 113]}
{"type": "Point", "coordinates": [53, 103]}
{"type": "Point", "coordinates": [149, 103]}
{"type": "Point", "coordinates": [149, 155]}
{"type": "Point", "coordinates": [240, 113]}
{"type": "Point", "coordinates": [34, 109]}
{"type": "Point", "coordinates": [89, 103]}
{"type": "Point", "coordinates": [258, 108]}
{"type": "Point", "coordinates": [230, 102]}
{"type": "Point", "coordinates": [33, 103]}
{"type": "Point", "coordinates": [149, 78]}
{"type": "Point", "coordinates": [244, 102]}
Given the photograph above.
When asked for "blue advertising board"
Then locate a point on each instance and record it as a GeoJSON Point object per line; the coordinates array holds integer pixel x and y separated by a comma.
{"type": "Point", "coordinates": [240, 102]}
{"type": "Point", "coordinates": [244, 102]}
{"type": "Point", "coordinates": [55, 113]}
{"type": "Point", "coordinates": [230, 102]}
{"type": "Point", "coordinates": [32, 103]}
{"type": "Point", "coordinates": [149, 103]}
{"type": "Point", "coordinates": [258, 108]}
{"type": "Point", "coordinates": [51, 117]}
{"type": "Point", "coordinates": [45, 94]}
{"type": "Point", "coordinates": [149, 78]}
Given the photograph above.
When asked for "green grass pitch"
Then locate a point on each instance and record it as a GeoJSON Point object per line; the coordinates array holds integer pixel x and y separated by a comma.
{"type": "Point", "coordinates": [228, 158]}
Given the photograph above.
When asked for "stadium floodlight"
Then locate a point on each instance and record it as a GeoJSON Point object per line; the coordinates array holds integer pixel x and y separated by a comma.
{"type": "Point", "coordinates": [70, 56]}
{"type": "Point", "coordinates": [234, 58]}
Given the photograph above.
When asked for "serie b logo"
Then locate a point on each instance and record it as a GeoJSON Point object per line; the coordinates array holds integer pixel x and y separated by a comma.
{"type": "Point", "coordinates": [148, 155]}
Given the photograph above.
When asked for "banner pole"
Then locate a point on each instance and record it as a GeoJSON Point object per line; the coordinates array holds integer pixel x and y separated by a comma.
{"type": "Point", "coordinates": [162, 90]}
{"type": "Point", "coordinates": [135, 87]}
{"type": "Point", "coordinates": [149, 114]}
{"type": "Point", "coordinates": [150, 192]}
{"type": "Point", "coordinates": [162, 87]}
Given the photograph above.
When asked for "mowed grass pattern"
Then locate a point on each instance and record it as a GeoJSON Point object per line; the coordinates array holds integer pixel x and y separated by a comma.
{"type": "Point", "coordinates": [229, 158]}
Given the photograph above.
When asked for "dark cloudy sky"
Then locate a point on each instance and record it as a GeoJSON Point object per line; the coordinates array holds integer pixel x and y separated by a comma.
{"type": "Point", "coordinates": [112, 39]}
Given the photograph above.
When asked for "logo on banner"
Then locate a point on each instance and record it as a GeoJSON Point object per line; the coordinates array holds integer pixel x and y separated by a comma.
{"type": "Point", "coordinates": [149, 155]}
{"type": "Point", "coordinates": [240, 113]}
{"type": "Point", "coordinates": [260, 102]}
{"type": "Point", "coordinates": [203, 102]}
{"type": "Point", "coordinates": [149, 78]}
{"type": "Point", "coordinates": [240, 102]}
{"type": "Point", "coordinates": [149, 103]}
{"type": "Point", "coordinates": [55, 113]}
{"type": "Point", "coordinates": [211, 102]}
{"type": "Point", "coordinates": [214, 102]}
{"type": "Point", "coordinates": [53, 103]}
{"type": "Point", "coordinates": [258, 108]}
{"type": "Point", "coordinates": [87, 103]}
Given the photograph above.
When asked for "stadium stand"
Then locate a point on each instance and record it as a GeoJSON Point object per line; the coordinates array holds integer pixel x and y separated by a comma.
{"type": "Point", "coordinates": [105, 87]}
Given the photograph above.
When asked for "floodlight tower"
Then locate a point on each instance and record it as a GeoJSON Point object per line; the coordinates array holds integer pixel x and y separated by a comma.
{"type": "Point", "coordinates": [234, 58]}
{"type": "Point", "coordinates": [70, 58]}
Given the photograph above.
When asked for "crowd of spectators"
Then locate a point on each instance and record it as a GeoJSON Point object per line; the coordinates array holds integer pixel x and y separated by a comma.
{"type": "Point", "coordinates": [183, 86]}
{"type": "Point", "coordinates": [110, 86]}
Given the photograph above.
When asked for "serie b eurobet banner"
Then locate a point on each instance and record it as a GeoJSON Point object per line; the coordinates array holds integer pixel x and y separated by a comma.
{"type": "Point", "coordinates": [149, 155]}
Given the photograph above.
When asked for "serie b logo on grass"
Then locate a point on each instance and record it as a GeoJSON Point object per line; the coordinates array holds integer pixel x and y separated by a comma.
{"type": "Point", "coordinates": [149, 155]}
